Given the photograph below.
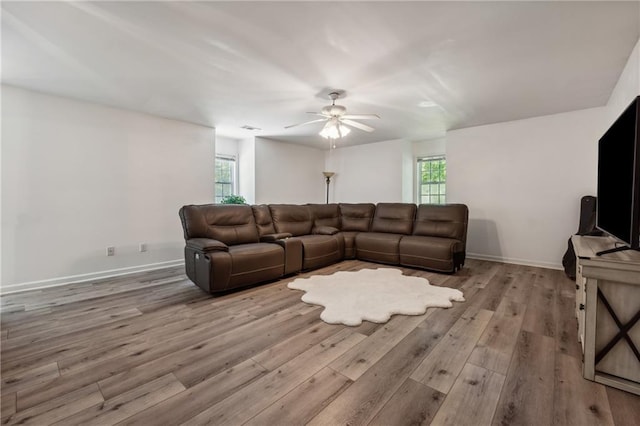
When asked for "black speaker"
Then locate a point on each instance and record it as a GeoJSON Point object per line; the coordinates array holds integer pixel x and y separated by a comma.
{"type": "Point", "coordinates": [587, 226]}
{"type": "Point", "coordinates": [588, 216]}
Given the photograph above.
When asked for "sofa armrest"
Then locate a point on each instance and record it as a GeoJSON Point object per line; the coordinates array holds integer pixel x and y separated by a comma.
{"type": "Point", "coordinates": [206, 245]}
{"type": "Point", "coordinates": [270, 238]}
{"type": "Point", "coordinates": [325, 230]}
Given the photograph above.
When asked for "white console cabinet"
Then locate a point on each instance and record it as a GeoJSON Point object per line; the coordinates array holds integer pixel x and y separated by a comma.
{"type": "Point", "coordinates": [608, 312]}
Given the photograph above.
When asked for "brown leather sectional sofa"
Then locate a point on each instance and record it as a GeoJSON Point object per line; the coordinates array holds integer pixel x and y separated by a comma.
{"type": "Point", "coordinates": [231, 246]}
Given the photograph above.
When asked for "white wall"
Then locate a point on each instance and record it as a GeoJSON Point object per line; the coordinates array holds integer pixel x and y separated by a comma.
{"type": "Point", "coordinates": [369, 173]}
{"type": "Point", "coordinates": [226, 146]}
{"type": "Point", "coordinates": [430, 147]}
{"type": "Point", "coordinates": [408, 174]}
{"type": "Point", "coordinates": [286, 173]}
{"type": "Point", "coordinates": [247, 169]}
{"type": "Point", "coordinates": [523, 181]}
{"type": "Point", "coordinates": [78, 177]}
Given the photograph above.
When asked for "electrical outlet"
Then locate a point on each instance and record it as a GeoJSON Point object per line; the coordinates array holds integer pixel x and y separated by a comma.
{"type": "Point", "coordinates": [142, 247]}
{"type": "Point", "coordinates": [111, 251]}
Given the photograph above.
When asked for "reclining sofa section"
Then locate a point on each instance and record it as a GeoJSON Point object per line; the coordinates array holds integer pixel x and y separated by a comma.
{"type": "Point", "coordinates": [232, 246]}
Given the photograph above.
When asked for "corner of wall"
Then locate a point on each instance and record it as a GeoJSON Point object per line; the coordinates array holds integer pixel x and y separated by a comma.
{"type": "Point", "coordinates": [627, 87]}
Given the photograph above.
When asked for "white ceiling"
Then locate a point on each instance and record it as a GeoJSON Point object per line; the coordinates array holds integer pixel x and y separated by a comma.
{"type": "Point", "coordinates": [227, 64]}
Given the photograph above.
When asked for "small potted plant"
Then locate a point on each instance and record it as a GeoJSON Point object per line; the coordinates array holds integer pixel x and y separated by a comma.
{"type": "Point", "coordinates": [233, 199]}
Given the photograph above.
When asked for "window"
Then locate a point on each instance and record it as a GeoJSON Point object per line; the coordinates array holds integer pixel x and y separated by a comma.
{"type": "Point", "coordinates": [225, 183]}
{"type": "Point", "coordinates": [432, 174]}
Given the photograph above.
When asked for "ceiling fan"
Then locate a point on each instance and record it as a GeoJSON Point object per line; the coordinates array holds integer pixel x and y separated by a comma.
{"type": "Point", "coordinates": [337, 120]}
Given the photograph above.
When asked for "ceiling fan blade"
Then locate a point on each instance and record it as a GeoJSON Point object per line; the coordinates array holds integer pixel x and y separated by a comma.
{"type": "Point", "coordinates": [358, 125]}
{"type": "Point", "coordinates": [306, 122]}
{"type": "Point", "coordinates": [360, 116]}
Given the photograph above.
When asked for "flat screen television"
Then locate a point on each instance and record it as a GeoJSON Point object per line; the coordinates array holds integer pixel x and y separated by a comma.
{"type": "Point", "coordinates": [618, 202]}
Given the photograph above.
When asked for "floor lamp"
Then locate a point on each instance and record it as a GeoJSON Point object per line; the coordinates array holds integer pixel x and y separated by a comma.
{"type": "Point", "coordinates": [328, 176]}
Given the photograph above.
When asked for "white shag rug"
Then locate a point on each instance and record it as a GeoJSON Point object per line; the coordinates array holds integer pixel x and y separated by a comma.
{"type": "Point", "coordinates": [373, 295]}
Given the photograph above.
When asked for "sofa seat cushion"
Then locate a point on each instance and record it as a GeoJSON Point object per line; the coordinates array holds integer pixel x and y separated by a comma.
{"type": "Point", "coordinates": [429, 252]}
{"type": "Point", "coordinates": [321, 250]}
{"type": "Point", "coordinates": [350, 244]}
{"type": "Point", "coordinates": [253, 263]}
{"type": "Point", "coordinates": [378, 247]}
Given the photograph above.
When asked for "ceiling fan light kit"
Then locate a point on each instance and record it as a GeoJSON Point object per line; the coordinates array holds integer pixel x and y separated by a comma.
{"type": "Point", "coordinates": [337, 120]}
{"type": "Point", "coordinates": [334, 130]}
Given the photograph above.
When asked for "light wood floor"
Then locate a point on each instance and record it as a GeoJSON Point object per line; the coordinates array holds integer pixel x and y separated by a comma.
{"type": "Point", "coordinates": [153, 349]}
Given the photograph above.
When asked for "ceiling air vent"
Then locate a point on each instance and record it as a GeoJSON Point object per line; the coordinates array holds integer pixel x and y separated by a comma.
{"type": "Point", "coordinates": [247, 127]}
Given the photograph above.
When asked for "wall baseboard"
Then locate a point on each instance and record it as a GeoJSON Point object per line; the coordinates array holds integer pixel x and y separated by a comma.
{"type": "Point", "coordinates": [546, 265]}
{"type": "Point", "coordinates": [54, 282]}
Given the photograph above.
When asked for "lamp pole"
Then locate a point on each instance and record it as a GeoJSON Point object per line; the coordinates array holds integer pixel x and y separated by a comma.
{"type": "Point", "coordinates": [328, 176]}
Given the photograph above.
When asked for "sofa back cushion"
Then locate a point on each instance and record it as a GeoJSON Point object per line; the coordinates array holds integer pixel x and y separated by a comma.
{"type": "Point", "coordinates": [231, 224]}
{"type": "Point", "coordinates": [325, 215]}
{"type": "Point", "coordinates": [262, 214]}
{"type": "Point", "coordinates": [356, 217]}
{"type": "Point", "coordinates": [394, 218]}
{"type": "Point", "coordinates": [447, 221]}
{"type": "Point", "coordinates": [293, 219]}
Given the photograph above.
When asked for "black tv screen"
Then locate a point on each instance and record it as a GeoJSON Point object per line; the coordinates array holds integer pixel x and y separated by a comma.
{"type": "Point", "coordinates": [618, 202]}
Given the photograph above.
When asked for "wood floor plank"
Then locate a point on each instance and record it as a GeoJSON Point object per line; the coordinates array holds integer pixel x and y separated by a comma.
{"type": "Point", "coordinates": [114, 334]}
{"type": "Point", "coordinates": [567, 327]}
{"type": "Point", "coordinates": [57, 408]}
{"type": "Point", "coordinates": [367, 328]}
{"type": "Point", "coordinates": [527, 395]}
{"type": "Point", "coordinates": [412, 404]}
{"type": "Point", "coordinates": [203, 368]}
{"type": "Point", "coordinates": [540, 316]}
{"type": "Point", "coordinates": [199, 359]}
{"type": "Point", "coordinates": [361, 401]}
{"type": "Point", "coordinates": [16, 382]}
{"type": "Point", "coordinates": [180, 329]}
{"type": "Point", "coordinates": [490, 296]}
{"type": "Point", "coordinates": [84, 317]}
{"type": "Point", "coordinates": [481, 280]}
{"type": "Point", "coordinates": [17, 344]}
{"type": "Point", "coordinates": [260, 394]}
{"type": "Point", "coordinates": [48, 334]}
{"type": "Point", "coordinates": [473, 398]}
{"type": "Point", "coordinates": [521, 285]}
{"type": "Point", "coordinates": [169, 300]}
{"type": "Point", "coordinates": [358, 360]}
{"type": "Point", "coordinates": [8, 405]}
{"type": "Point", "coordinates": [441, 367]}
{"type": "Point", "coordinates": [97, 292]}
{"type": "Point", "coordinates": [478, 271]}
{"type": "Point", "coordinates": [305, 401]}
{"type": "Point", "coordinates": [577, 401]}
{"type": "Point", "coordinates": [85, 294]}
{"type": "Point", "coordinates": [495, 346]}
{"type": "Point", "coordinates": [183, 406]}
{"type": "Point", "coordinates": [280, 353]}
{"type": "Point", "coordinates": [625, 407]}
{"type": "Point", "coordinates": [113, 366]}
{"type": "Point", "coordinates": [127, 404]}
